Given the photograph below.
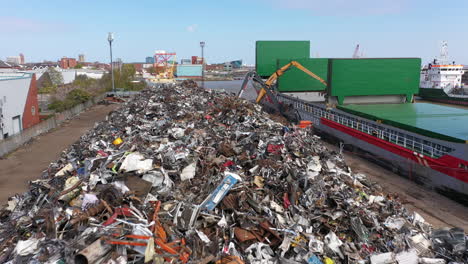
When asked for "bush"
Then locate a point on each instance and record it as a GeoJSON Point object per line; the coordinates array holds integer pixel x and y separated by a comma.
{"type": "Point", "coordinates": [78, 96]}
{"type": "Point", "coordinates": [48, 89]}
{"type": "Point", "coordinates": [73, 98]}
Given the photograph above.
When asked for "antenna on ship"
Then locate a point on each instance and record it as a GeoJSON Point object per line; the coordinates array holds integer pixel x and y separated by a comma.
{"type": "Point", "coordinates": [444, 52]}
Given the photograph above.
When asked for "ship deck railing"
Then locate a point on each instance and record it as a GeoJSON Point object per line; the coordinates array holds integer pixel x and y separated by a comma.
{"type": "Point", "coordinates": [313, 112]}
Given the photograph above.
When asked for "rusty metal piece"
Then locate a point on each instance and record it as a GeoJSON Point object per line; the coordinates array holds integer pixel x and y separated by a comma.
{"type": "Point", "coordinates": [92, 211]}
{"type": "Point", "coordinates": [230, 260]}
{"type": "Point", "coordinates": [93, 252]}
{"type": "Point", "coordinates": [225, 148]}
{"type": "Point", "coordinates": [230, 201]}
{"type": "Point", "coordinates": [111, 195]}
{"type": "Point", "coordinates": [244, 235]}
{"type": "Point", "coordinates": [108, 208]}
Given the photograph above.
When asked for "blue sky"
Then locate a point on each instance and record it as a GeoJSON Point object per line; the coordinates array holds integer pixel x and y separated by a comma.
{"type": "Point", "coordinates": [386, 28]}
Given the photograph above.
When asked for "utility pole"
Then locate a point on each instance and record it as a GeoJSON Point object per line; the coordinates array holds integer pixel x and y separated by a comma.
{"type": "Point", "coordinates": [202, 45]}
{"type": "Point", "coordinates": [110, 38]}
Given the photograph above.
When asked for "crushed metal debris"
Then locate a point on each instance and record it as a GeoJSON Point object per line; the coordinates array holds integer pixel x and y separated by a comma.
{"type": "Point", "coordinates": [180, 174]}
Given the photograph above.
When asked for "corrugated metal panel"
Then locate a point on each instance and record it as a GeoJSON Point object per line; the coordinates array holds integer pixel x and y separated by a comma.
{"type": "Point", "coordinates": [359, 77]}
{"type": "Point", "coordinates": [295, 80]}
{"type": "Point", "coordinates": [268, 52]}
{"type": "Point", "coordinates": [189, 70]}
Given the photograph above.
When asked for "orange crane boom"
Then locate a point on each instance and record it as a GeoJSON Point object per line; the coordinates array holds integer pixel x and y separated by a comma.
{"type": "Point", "coordinates": [280, 72]}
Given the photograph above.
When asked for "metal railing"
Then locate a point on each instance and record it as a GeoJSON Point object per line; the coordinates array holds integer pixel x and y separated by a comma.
{"type": "Point", "coordinates": [314, 112]}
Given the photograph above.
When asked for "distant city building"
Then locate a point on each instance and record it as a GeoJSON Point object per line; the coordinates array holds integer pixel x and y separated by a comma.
{"type": "Point", "coordinates": [67, 63]}
{"type": "Point", "coordinates": [22, 61]}
{"type": "Point", "coordinates": [19, 108]}
{"type": "Point", "coordinates": [14, 60]}
{"type": "Point", "coordinates": [81, 57]}
{"type": "Point", "coordinates": [185, 61]}
{"type": "Point", "coordinates": [149, 60]}
{"type": "Point", "coordinates": [197, 60]}
{"type": "Point", "coordinates": [237, 64]}
{"type": "Point", "coordinates": [214, 67]}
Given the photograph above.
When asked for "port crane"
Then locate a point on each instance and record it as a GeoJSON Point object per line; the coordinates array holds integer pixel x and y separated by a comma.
{"type": "Point", "coordinates": [268, 85]}
{"type": "Point", "coordinates": [356, 52]}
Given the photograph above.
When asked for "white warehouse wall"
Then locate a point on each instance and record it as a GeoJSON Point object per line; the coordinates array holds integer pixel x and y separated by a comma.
{"type": "Point", "coordinates": [13, 93]}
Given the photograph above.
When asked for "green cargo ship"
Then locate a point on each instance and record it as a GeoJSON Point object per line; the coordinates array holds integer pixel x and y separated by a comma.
{"type": "Point", "coordinates": [369, 105]}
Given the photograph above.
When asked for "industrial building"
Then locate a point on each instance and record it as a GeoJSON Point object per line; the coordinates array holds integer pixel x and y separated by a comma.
{"type": "Point", "coordinates": [81, 58]}
{"type": "Point", "coordinates": [67, 63]}
{"type": "Point", "coordinates": [18, 103]}
{"type": "Point", "coordinates": [14, 60]}
{"type": "Point", "coordinates": [189, 71]}
{"type": "Point", "coordinates": [149, 60]}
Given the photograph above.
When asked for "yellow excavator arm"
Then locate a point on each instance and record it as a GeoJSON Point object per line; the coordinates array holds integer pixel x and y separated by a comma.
{"type": "Point", "coordinates": [281, 71]}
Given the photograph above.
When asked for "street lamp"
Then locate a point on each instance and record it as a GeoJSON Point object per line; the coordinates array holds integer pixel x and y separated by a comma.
{"type": "Point", "coordinates": [202, 45]}
{"type": "Point", "coordinates": [110, 38]}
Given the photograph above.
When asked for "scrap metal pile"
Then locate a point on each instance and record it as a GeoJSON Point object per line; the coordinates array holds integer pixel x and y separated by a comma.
{"type": "Point", "coordinates": [185, 175]}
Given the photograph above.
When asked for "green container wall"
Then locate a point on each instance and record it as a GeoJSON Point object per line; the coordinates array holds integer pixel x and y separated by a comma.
{"type": "Point", "coordinates": [268, 52]}
{"type": "Point", "coordinates": [295, 80]}
{"type": "Point", "coordinates": [358, 77]}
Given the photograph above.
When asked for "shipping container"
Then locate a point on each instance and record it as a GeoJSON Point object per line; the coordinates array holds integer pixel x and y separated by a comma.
{"type": "Point", "coordinates": [189, 70]}
{"type": "Point", "coordinates": [295, 80]}
{"type": "Point", "coordinates": [268, 53]}
{"type": "Point", "coordinates": [379, 76]}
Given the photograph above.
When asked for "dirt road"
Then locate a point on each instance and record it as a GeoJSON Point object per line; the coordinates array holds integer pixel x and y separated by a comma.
{"type": "Point", "coordinates": [27, 163]}
{"type": "Point", "coordinates": [435, 208]}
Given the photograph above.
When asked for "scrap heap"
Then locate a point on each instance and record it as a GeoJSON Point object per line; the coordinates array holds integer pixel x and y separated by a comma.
{"type": "Point", "coordinates": [186, 175]}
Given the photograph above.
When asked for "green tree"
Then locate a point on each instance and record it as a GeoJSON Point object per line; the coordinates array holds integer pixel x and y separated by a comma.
{"type": "Point", "coordinates": [55, 76]}
{"type": "Point", "coordinates": [79, 66]}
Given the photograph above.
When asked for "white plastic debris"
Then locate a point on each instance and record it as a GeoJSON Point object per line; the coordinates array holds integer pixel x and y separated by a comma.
{"type": "Point", "coordinates": [314, 167]}
{"type": "Point", "coordinates": [26, 247]}
{"type": "Point", "coordinates": [177, 132]}
{"type": "Point", "coordinates": [417, 218]}
{"type": "Point", "coordinates": [420, 243]}
{"type": "Point", "coordinates": [203, 237]}
{"type": "Point", "coordinates": [315, 245]}
{"type": "Point", "coordinates": [67, 168]}
{"type": "Point", "coordinates": [394, 222]}
{"type": "Point", "coordinates": [384, 258]}
{"type": "Point", "coordinates": [188, 172]}
{"type": "Point", "coordinates": [432, 261]}
{"type": "Point", "coordinates": [334, 243]}
{"type": "Point", "coordinates": [136, 162]}
{"type": "Point", "coordinates": [278, 208]}
{"type": "Point", "coordinates": [155, 178]}
{"type": "Point", "coordinates": [121, 186]}
{"type": "Point", "coordinates": [407, 257]}
{"type": "Point", "coordinates": [89, 199]}
{"type": "Point", "coordinates": [12, 203]}
{"type": "Point", "coordinates": [223, 223]}
{"type": "Point", "coordinates": [149, 252]}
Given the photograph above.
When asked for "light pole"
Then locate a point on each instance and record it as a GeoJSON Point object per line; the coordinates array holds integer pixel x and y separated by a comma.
{"type": "Point", "coordinates": [110, 38]}
{"type": "Point", "coordinates": [202, 45]}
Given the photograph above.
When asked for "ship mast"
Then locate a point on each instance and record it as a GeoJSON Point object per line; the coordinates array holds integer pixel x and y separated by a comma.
{"type": "Point", "coordinates": [444, 53]}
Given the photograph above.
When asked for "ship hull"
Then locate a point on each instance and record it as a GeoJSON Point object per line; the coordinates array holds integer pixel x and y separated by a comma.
{"type": "Point", "coordinates": [423, 170]}
{"type": "Point", "coordinates": [438, 95]}
{"type": "Point", "coordinates": [446, 173]}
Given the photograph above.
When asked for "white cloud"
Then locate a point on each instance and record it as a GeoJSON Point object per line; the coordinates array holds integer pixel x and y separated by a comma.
{"type": "Point", "coordinates": [192, 28]}
{"type": "Point", "coordinates": [346, 7]}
